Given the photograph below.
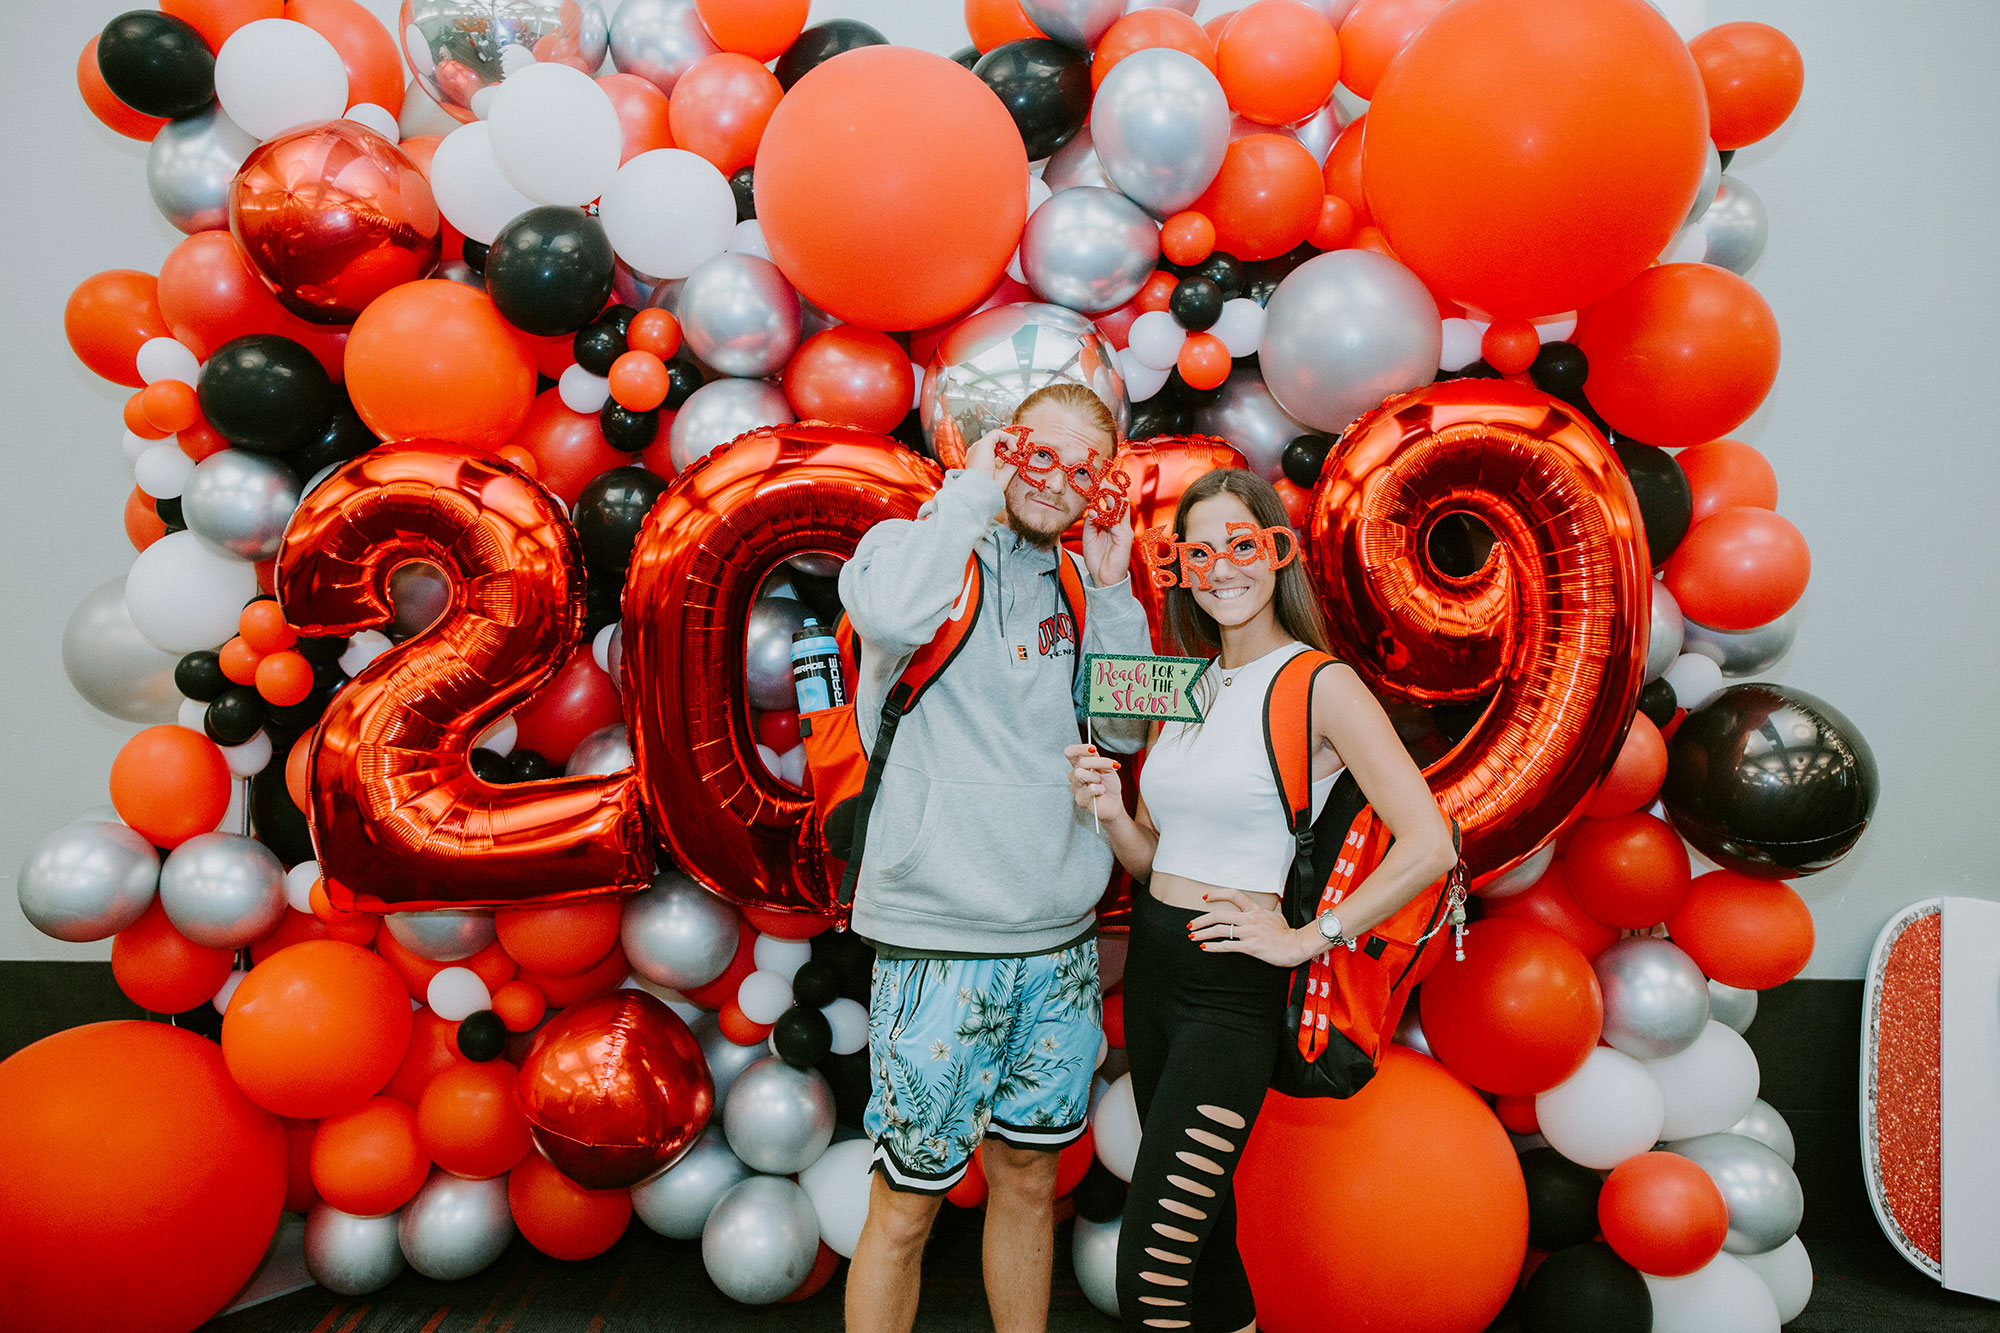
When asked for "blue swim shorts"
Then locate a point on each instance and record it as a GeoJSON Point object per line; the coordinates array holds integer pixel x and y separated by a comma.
{"type": "Point", "coordinates": [960, 1048]}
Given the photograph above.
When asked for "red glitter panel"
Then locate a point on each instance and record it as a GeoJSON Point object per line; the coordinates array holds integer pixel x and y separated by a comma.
{"type": "Point", "coordinates": [1906, 1083]}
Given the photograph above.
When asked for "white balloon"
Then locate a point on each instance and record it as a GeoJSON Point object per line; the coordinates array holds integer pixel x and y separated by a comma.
{"type": "Point", "coordinates": [500, 737]}
{"type": "Point", "coordinates": [849, 1021]}
{"type": "Point", "coordinates": [582, 391]}
{"type": "Point", "coordinates": [1709, 1086]}
{"type": "Point", "coordinates": [1689, 246]}
{"type": "Point", "coordinates": [763, 996]}
{"type": "Point", "coordinates": [1155, 339]}
{"type": "Point", "coordinates": [1461, 343]}
{"type": "Point", "coordinates": [184, 596]}
{"type": "Point", "coordinates": [1115, 1128]}
{"type": "Point", "coordinates": [748, 239]}
{"type": "Point", "coordinates": [222, 997]}
{"type": "Point", "coordinates": [192, 715]}
{"type": "Point", "coordinates": [1787, 1273]}
{"type": "Point", "coordinates": [555, 133]}
{"type": "Point", "coordinates": [1141, 380]}
{"type": "Point", "coordinates": [472, 192]}
{"type": "Point", "coordinates": [1094, 1256]}
{"type": "Point", "coordinates": [364, 648]}
{"type": "Point", "coordinates": [602, 645]}
{"type": "Point", "coordinates": [248, 759]}
{"type": "Point", "coordinates": [275, 74]}
{"type": "Point", "coordinates": [1722, 1296]}
{"type": "Point", "coordinates": [781, 957]}
{"type": "Point", "coordinates": [838, 1183]}
{"type": "Point", "coordinates": [163, 471]}
{"type": "Point", "coordinates": [167, 359]}
{"type": "Point", "coordinates": [792, 766]}
{"type": "Point", "coordinates": [1696, 680]}
{"type": "Point", "coordinates": [1240, 325]}
{"type": "Point", "coordinates": [457, 993]}
{"type": "Point", "coordinates": [666, 211]}
{"type": "Point", "coordinates": [299, 881]}
{"type": "Point", "coordinates": [1605, 1112]}
{"type": "Point", "coordinates": [1556, 330]}
{"type": "Point", "coordinates": [377, 118]}
{"type": "Point", "coordinates": [421, 113]}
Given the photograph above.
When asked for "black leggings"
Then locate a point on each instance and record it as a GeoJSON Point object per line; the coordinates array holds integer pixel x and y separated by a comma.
{"type": "Point", "coordinates": [1202, 1033]}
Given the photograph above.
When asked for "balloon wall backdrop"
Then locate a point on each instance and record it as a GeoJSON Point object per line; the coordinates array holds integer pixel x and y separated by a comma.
{"type": "Point", "coordinates": [524, 376]}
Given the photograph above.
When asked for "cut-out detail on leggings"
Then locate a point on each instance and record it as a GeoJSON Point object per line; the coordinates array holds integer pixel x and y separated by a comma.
{"type": "Point", "coordinates": [1162, 1280]}
{"type": "Point", "coordinates": [1193, 1187]}
{"type": "Point", "coordinates": [1167, 1301]}
{"type": "Point", "coordinates": [1166, 1323]}
{"type": "Point", "coordinates": [1208, 1140]}
{"type": "Point", "coordinates": [1175, 1233]}
{"type": "Point", "coordinates": [1168, 1256]}
{"type": "Point", "coordinates": [1222, 1115]}
{"type": "Point", "coordinates": [1187, 1210]}
{"type": "Point", "coordinates": [1200, 1163]}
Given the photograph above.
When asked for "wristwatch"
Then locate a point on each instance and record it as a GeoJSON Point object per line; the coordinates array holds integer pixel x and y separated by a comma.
{"type": "Point", "coordinates": [1329, 929]}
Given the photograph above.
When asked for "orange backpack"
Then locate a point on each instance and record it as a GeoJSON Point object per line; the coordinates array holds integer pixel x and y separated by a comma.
{"type": "Point", "coordinates": [1343, 1006]}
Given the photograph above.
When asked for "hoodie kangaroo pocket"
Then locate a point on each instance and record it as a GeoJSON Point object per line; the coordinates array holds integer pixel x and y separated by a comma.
{"type": "Point", "coordinates": [1009, 855]}
{"type": "Point", "coordinates": [902, 824]}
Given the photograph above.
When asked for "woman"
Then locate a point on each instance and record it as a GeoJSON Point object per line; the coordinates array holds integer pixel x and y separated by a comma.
{"type": "Point", "coordinates": [1205, 981]}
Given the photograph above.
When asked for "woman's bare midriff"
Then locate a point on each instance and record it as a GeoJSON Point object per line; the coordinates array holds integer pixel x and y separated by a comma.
{"type": "Point", "coordinates": [1175, 891]}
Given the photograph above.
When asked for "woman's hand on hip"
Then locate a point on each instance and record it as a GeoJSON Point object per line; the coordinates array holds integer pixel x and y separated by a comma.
{"type": "Point", "coordinates": [1235, 923]}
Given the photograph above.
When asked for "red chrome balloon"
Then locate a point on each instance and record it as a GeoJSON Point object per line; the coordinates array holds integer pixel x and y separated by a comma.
{"type": "Point", "coordinates": [332, 216]}
{"type": "Point", "coordinates": [615, 1089]}
{"type": "Point", "coordinates": [1553, 626]}
{"type": "Point", "coordinates": [399, 820]}
{"type": "Point", "coordinates": [708, 544]}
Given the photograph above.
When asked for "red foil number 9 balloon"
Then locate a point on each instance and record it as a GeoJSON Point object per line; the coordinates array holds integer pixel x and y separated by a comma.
{"type": "Point", "coordinates": [399, 819]}
{"type": "Point", "coordinates": [1552, 625]}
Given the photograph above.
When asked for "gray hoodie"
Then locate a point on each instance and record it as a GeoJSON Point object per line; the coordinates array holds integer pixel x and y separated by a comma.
{"type": "Point", "coordinates": [975, 845]}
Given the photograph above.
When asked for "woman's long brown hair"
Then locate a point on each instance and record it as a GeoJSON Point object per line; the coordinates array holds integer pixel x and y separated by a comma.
{"type": "Point", "coordinates": [1193, 631]}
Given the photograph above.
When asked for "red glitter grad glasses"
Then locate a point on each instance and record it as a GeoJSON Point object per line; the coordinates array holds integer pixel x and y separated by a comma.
{"type": "Point", "coordinates": [1187, 564]}
{"type": "Point", "coordinates": [1101, 485]}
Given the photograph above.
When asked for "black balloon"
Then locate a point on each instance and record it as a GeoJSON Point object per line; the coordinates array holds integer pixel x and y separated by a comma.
{"type": "Point", "coordinates": [278, 823]}
{"type": "Point", "coordinates": [610, 511]}
{"type": "Point", "coordinates": [1196, 304]}
{"type": "Point", "coordinates": [1665, 502]}
{"type": "Point", "coordinates": [848, 1076]}
{"type": "Point", "coordinates": [815, 984]}
{"type": "Point", "coordinates": [683, 378]}
{"type": "Point", "coordinates": [475, 255]}
{"type": "Point", "coordinates": [1562, 1199]}
{"type": "Point", "coordinates": [482, 1036]}
{"type": "Point", "coordinates": [1304, 457]}
{"type": "Point", "coordinates": [1657, 702]}
{"type": "Point", "coordinates": [199, 676]}
{"type": "Point", "coordinates": [1560, 368]}
{"type": "Point", "coordinates": [821, 43]}
{"type": "Point", "coordinates": [597, 345]}
{"type": "Point", "coordinates": [490, 766]}
{"type": "Point", "coordinates": [265, 393]}
{"type": "Point", "coordinates": [1099, 1196]}
{"type": "Point", "coordinates": [169, 510]}
{"type": "Point", "coordinates": [603, 601]}
{"type": "Point", "coordinates": [234, 715]}
{"type": "Point", "coordinates": [1225, 271]}
{"type": "Point", "coordinates": [1180, 392]}
{"type": "Point", "coordinates": [618, 317]}
{"type": "Point", "coordinates": [626, 430]}
{"type": "Point", "coordinates": [802, 1036]}
{"type": "Point", "coordinates": [550, 270]}
{"type": "Point", "coordinates": [530, 766]}
{"type": "Point", "coordinates": [743, 184]}
{"type": "Point", "coordinates": [342, 436]}
{"type": "Point", "coordinates": [1586, 1289]}
{"type": "Point", "coordinates": [1770, 781]}
{"type": "Point", "coordinates": [322, 649]}
{"type": "Point", "coordinates": [1045, 87]}
{"type": "Point", "coordinates": [850, 957]}
{"type": "Point", "coordinates": [967, 56]}
{"type": "Point", "coordinates": [1159, 415]}
{"type": "Point", "coordinates": [156, 63]}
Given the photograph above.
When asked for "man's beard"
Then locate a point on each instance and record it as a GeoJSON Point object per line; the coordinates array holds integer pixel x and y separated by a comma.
{"type": "Point", "coordinates": [1035, 537]}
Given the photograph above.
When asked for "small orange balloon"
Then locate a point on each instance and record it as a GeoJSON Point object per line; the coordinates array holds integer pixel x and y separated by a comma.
{"type": "Point", "coordinates": [1753, 76]}
{"type": "Point", "coordinates": [470, 1121]}
{"type": "Point", "coordinates": [239, 661]}
{"type": "Point", "coordinates": [1373, 34]}
{"type": "Point", "coordinates": [1662, 1214]}
{"type": "Point", "coordinates": [1510, 345]}
{"type": "Point", "coordinates": [368, 1161]}
{"type": "Point", "coordinates": [285, 678]}
{"type": "Point", "coordinates": [136, 420]}
{"type": "Point", "coordinates": [1739, 568]}
{"type": "Point", "coordinates": [1186, 237]}
{"type": "Point", "coordinates": [851, 376]}
{"type": "Point", "coordinates": [561, 1218]}
{"type": "Point", "coordinates": [643, 111]}
{"type": "Point", "coordinates": [1744, 931]}
{"type": "Point", "coordinates": [520, 1005]}
{"type": "Point", "coordinates": [639, 381]}
{"type": "Point", "coordinates": [600, 978]}
{"type": "Point", "coordinates": [564, 939]}
{"type": "Point", "coordinates": [1723, 474]}
{"type": "Point", "coordinates": [655, 331]}
{"type": "Point", "coordinates": [1158, 291]}
{"type": "Point", "coordinates": [201, 440]}
{"type": "Point", "coordinates": [1635, 777]}
{"type": "Point", "coordinates": [263, 626]}
{"type": "Point", "coordinates": [143, 524]}
{"type": "Point", "coordinates": [1335, 225]}
{"type": "Point", "coordinates": [996, 22]}
{"type": "Point", "coordinates": [170, 783]}
{"type": "Point", "coordinates": [169, 406]}
{"type": "Point", "coordinates": [739, 1027]}
{"type": "Point", "coordinates": [433, 1049]}
{"type": "Point", "coordinates": [1629, 871]}
{"type": "Point", "coordinates": [1203, 361]}
{"type": "Point", "coordinates": [109, 317]}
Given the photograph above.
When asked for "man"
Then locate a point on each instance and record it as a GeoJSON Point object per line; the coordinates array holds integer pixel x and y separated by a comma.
{"type": "Point", "coordinates": [980, 874]}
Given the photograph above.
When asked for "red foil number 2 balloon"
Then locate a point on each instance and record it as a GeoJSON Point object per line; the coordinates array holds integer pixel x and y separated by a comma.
{"type": "Point", "coordinates": [399, 819]}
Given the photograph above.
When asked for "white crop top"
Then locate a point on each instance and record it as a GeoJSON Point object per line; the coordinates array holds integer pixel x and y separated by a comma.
{"type": "Point", "coordinates": [1210, 791]}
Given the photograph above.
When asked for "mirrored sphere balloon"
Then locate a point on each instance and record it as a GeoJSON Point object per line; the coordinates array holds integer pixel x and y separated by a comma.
{"type": "Point", "coordinates": [1655, 998]}
{"type": "Point", "coordinates": [1089, 249]}
{"type": "Point", "coordinates": [603, 751]}
{"type": "Point", "coordinates": [725, 1058]}
{"type": "Point", "coordinates": [1344, 331]}
{"type": "Point", "coordinates": [1094, 1254]}
{"type": "Point", "coordinates": [88, 881]}
{"type": "Point", "coordinates": [740, 315]}
{"type": "Point", "coordinates": [1732, 1006]}
{"type": "Point", "coordinates": [760, 1241]}
{"type": "Point", "coordinates": [453, 1227]}
{"type": "Point", "coordinates": [767, 652]}
{"type": "Point", "coordinates": [1160, 125]}
{"type": "Point", "coordinates": [1763, 1123]}
{"type": "Point", "coordinates": [1077, 23]}
{"type": "Point", "coordinates": [190, 166]}
{"type": "Point", "coordinates": [1744, 652]}
{"type": "Point", "coordinates": [1075, 164]}
{"type": "Point", "coordinates": [676, 1203]}
{"type": "Point", "coordinates": [1248, 417]}
{"type": "Point", "coordinates": [239, 501]}
{"type": "Point", "coordinates": [223, 890]}
{"type": "Point", "coordinates": [1711, 183]}
{"type": "Point", "coordinates": [659, 40]}
{"type": "Point", "coordinates": [677, 933]}
{"type": "Point", "coordinates": [1666, 633]}
{"type": "Point", "coordinates": [352, 1255]}
{"type": "Point", "coordinates": [991, 361]}
{"type": "Point", "coordinates": [460, 48]}
{"type": "Point", "coordinates": [718, 412]}
{"type": "Point", "coordinates": [1736, 226]}
{"type": "Point", "coordinates": [778, 1118]}
{"type": "Point", "coordinates": [115, 668]}
{"type": "Point", "coordinates": [1763, 1195]}
{"type": "Point", "coordinates": [443, 936]}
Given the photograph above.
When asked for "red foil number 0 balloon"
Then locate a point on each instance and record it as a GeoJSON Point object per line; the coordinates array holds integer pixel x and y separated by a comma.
{"type": "Point", "coordinates": [707, 546]}
{"type": "Point", "coordinates": [399, 819]}
{"type": "Point", "coordinates": [1552, 626]}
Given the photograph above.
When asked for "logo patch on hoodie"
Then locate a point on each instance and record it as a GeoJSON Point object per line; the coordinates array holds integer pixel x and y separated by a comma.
{"type": "Point", "coordinates": [1057, 635]}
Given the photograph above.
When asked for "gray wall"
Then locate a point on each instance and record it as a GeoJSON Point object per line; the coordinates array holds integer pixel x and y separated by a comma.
{"type": "Point", "coordinates": [1881, 269]}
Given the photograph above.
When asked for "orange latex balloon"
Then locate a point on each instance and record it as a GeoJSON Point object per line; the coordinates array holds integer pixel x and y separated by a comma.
{"type": "Point", "coordinates": [262, 625]}
{"type": "Point", "coordinates": [169, 784]}
{"type": "Point", "coordinates": [760, 29]}
{"type": "Point", "coordinates": [643, 112]}
{"type": "Point", "coordinates": [639, 381]}
{"type": "Point", "coordinates": [134, 414]}
{"type": "Point", "coordinates": [1629, 871]}
{"type": "Point", "coordinates": [1742, 931]}
{"type": "Point", "coordinates": [1375, 33]}
{"type": "Point", "coordinates": [1342, 173]}
{"type": "Point", "coordinates": [367, 1161]}
{"type": "Point", "coordinates": [1636, 775]}
{"type": "Point", "coordinates": [1519, 1014]}
{"type": "Point", "coordinates": [433, 1048]}
{"type": "Point", "coordinates": [215, 20]}
{"type": "Point", "coordinates": [1203, 361]}
{"type": "Point", "coordinates": [374, 67]}
{"type": "Point", "coordinates": [561, 1218]}
{"type": "Point", "coordinates": [161, 970]}
{"type": "Point", "coordinates": [1146, 30]}
{"type": "Point", "coordinates": [169, 406]}
{"type": "Point", "coordinates": [1723, 474]}
{"type": "Point", "coordinates": [1681, 354]}
{"type": "Point", "coordinates": [996, 22]}
{"type": "Point", "coordinates": [284, 678]}
{"type": "Point", "coordinates": [851, 376]}
{"type": "Point", "coordinates": [564, 939]}
{"type": "Point", "coordinates": [470, 1122]}
{"type": "Point", "coordinates": [520, 1005]}
{"type": "Point", "coordinates": [104, 103]}
{"type": "Point", "coordinates": [1753, 76]}
{"type": "Point", "coordinates": [210, 293]}
{"type": "Point", "coordinates": [300, 1195]}
{"type": "Point", "coordinates": [568, 447]}
{"type": "Point", "coordinates": [1739, 568]}
{"type": "Point", "coordinates": [316, 1029]}
{"type": "Point", "coordinates": [739, 1027]}
{"type": "Point", "coordinates": [1266, 198]}
{"type": "Point", "coordinates": [600, 978]}
{"type": "Point", "coordinates": [143, 524]}
{"type": "Point", "coordinates": [1549, 903]}
{"type": "Point", "coordinates": [720, 109]}
{"type": "Point", "coordinates": [109, 316]}
{"type": "Point", "coordinates": [1556, 195]}
{"type": "Point", "coordinates": [1662, 1214]}
{"type": "Point", "coordinates": [435, 359]}
{"type": "Point", "coordinates": [1509, 345]}
{"type": "Point", "coordinates": [1186, 237]}
{"type": "Point", "coordinates": [1278, 61]}
{"type": "Point", "coordinates": [860, 161]}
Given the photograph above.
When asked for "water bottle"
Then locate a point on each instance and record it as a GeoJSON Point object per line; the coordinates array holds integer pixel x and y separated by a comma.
{"type": "Point", "coordinates": [816, 668]}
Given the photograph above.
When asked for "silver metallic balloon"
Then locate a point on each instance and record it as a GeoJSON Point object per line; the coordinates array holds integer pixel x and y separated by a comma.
{"type": "Point", "coordinates": [455, 1227]}
{"type": "Point", "coordinates": [114, 667]}
{"type": "Point", "coordinates": [1731, 1006]}
{"type": "Point", "coordinates": [88, 881]}
{"type": "Point", "coordinates": [676, 1203]}
{"type": "Point", "coordinates": [1746, 652]}
{"type": "Point", "coordinates": [1667, 631]}
{"type": "Point", "coordinates": [190, 166]}
{"type": "Point", "coordinates": [443, 936]}
{"type": "Point", "coordinates": [1093, 1253]}
{"type": "Point", "coordinates": [1523, 876]}
{"type": "Point", "coordinates": [460, 48]}
{"type": "Point", "coordinates": [991, 361]}
{"type": "Point", "coordinates": [659, 40]}
{"type": "Point", "coordinates": [1763, 1123]}
{"type": "Point", "coordinates": [761, 1239]}
{"type": "Point", "coordinates": [1343, 331]}
{"type": "Point", "coordinates": [1160, 124]}
{"type": "Point", "coordinates": [767, 652]}
{"type": "Point", "coordinates": [352, 1255]}
{"type": "Point", "coordinates": [1318, 131]}
{"type": "Point", "coordinates": [605, 750]}
{"type": "Point", "coordinates": [817, 566]}
{"type": "Point", "coordinates": [1089, 249]}
{"type": "Point", "coordinates": [1075, 163]}
{"type": "Point", "coordinates": [239, 501]}
{"type": "Point", "coordinates": [1763, 1195]}
{"type": "Point", "coordinates": [223, 890]}
{"type": "Point", "coordinates": [1248, 417]}
{"type": "Point", "coordinates": [678, 934]}
{"type": "Point", "coordinates": [1410, 1032]}
{"type": "Point", "coordinates": [1077, 23]}
{"type": "Point", "coordinates": [1736, 226]}
{"type": "Point", "coordinates": [725, 1058]}
{"type": "Point", "coordinates": [721, 410]}
{"type": "Point", "coordinates": [778, 1118]}
{"type": "Point", "coordinates": [740, 316]}
{"type": "Point", "coordinates": [1655, 998]}
{"type": "Point", "coordinates": [1711, 181]}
